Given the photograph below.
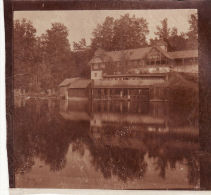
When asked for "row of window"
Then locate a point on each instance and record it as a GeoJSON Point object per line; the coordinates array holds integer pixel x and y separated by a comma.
{"type": "Point", "coordinates": [138, 63]}
{"type": "Point", "coordinates": [187, 61]}
{"type": "Point", "coordinates": [135, 78]}
{"type": "Point", "coordinates": [134, 64]}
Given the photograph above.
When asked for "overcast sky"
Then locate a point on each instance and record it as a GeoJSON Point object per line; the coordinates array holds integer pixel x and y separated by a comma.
{"type": "Point", "coordinates": [81, 23]}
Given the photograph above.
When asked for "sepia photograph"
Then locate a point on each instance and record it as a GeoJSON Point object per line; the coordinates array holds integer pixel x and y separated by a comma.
{"type": "Point", "coordinates": [106, 99]}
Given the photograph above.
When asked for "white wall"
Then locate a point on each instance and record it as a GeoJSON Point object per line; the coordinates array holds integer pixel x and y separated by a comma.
{"type": "Point", "coordinates": [96, 74]}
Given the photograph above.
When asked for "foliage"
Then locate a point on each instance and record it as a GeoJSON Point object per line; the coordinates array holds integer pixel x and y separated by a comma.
{"type": "Point", "coordinates": [193, 31]}
{"type": "Point", "coordinates": [123, 33]}
{"type": "Point", "coordinates": [41, 63]}
{"type": "Point", "coordinates": [163, 31]}
{"type": "Point", "coordinates": [24, 41]}
{"type": "Point", "coordinates": [80, 45]}
{"type": "Point", "coordinates": [57, 53]}
{"type": "Point", "coordinates": [175, 41]}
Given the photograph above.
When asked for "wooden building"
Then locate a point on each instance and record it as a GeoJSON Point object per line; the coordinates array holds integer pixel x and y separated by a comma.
{"type": "Point", "coordinates": [75, 88]}
{"type": "Point", "coordinates": [154, 59]}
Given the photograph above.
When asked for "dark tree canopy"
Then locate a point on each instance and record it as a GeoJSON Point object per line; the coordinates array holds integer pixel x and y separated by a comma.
{"type": "Point", "coordinates": [123, 33]}
{"type": "Point", "coordinates": [24, 52]}
{"type": "Point", "coordinates": [174, 40]}
{"type": "Point", "coordinates": [42, 62]}
{"type": "Point", "coordinates": [193, 31]}
{"type": "Point", "coordinates": [163, 31]}
{"type": "Point", "coordinates": [57, 51]}
{"type": "Point", "coordinates": [80, 45]}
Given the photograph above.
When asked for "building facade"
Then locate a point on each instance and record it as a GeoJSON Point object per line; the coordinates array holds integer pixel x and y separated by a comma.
{"type": "Point", "coordinates": [133, 63]}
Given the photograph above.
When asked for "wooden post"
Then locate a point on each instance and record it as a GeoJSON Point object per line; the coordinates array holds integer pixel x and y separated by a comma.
{"type": "Point", "coordinates": [121, 93]}
{"type": "Point", "coordinates": [160, 58]}
{"type": "Point", "coordinates": [101, 93]}
{"type": "Point", "coordinates": [121, 107]}
{"type": "Point", "coordinates": [128, 106]}
{"type": "Point", "coordinates": [66, 94]}
{"type": "Point", "coordinates": [109, 93]}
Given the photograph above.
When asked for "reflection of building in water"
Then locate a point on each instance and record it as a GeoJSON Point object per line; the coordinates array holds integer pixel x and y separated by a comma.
{"type": "Point", "coordinates": [124, 139]}
{"type": "Point", "coordinates": [125, 119]}
{"type": "Point", "coordinates": [19, 101]}
{"type": "Point", "coordinates": [75, 110]}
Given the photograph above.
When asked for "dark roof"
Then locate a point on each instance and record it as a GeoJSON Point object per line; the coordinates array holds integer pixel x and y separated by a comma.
{"type": "Point", "coordinates": [136, 75]}
{"type": "Point", "coordinates": [139, 53]}
{"type": "Point", "coordinates": [67, 82]}
{"type": "Point", "coordinates": [75, 83]}
{"type": "Point", "coordinates": [80, 83]}
{"type": "Point", "coordinates": [184, 54]}
{"type": "Point", "coordinates": [127, 83]}
{"type": "Point", "coordinates": [132, 54]}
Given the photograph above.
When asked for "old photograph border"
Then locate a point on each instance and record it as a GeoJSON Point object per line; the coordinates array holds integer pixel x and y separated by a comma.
{"type": "Point", "coordinates": [204, 15]}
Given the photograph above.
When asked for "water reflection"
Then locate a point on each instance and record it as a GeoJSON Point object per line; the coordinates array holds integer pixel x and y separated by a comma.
{"type": "Point", "coordinates": [123, 144]}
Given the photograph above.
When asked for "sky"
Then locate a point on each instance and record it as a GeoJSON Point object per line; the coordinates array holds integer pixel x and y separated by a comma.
{"type": "Point", "coordinates": [81, 23]}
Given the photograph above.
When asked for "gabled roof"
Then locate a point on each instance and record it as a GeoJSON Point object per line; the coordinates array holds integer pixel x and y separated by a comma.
{"type": "Point", "coordinates": [139, 53]}
{"type": "Point", "coordinates": [132, 54]}
{"type": "Point", "coordinates": [128, 83]}
{"type": "Point", "coordinates": [80, 84]}
{"type": "Point", "coordinates": [67, 82]}
{"type": "Point", "coordinates": [165, 53]}
{"type": "Point", "coordinates": [184, 54]}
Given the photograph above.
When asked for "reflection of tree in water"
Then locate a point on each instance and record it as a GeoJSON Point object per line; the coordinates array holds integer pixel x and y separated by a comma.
{"type": "Point", "coordinates": [41, 132]}
{"type": "Point", "coordinates": [170, 149]}
{"type": "Point", "coordinates": [35, 136]}
{"type": "Point", "coordinates": [125, 163]}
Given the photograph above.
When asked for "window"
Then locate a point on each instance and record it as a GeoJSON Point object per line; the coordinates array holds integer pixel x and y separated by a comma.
{"type": "Point", "coordinates": [95, 75]}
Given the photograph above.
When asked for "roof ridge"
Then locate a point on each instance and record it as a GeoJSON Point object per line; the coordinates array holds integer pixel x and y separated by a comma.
{"type": "Point", "coordinates": [129, 49]}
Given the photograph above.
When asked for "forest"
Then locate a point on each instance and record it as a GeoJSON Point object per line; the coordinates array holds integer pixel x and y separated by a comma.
{"type": "Point", "coordinates": [43, 62]}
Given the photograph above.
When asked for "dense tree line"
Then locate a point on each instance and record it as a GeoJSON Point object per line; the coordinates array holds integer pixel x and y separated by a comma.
{"type": "Point", "coordinates": [173, 39]}
{"type": "Point", "coordinates": [42, 62]}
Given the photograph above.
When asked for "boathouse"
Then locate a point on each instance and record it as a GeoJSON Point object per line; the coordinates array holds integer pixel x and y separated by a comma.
{"type": "Point", "coordinates": [136, 90]}
{"type": "Point", "coordinates": [138, 74]}
{"type": "Point", "coordinates": [75, 88]}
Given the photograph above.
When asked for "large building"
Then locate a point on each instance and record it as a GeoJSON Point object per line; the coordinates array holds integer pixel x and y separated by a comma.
{"type": "Point", "coordinates": [134, 63]}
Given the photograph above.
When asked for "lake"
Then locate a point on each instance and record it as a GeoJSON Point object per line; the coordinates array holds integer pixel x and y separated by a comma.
{"type": "Point", "coordinates": [105, 145]}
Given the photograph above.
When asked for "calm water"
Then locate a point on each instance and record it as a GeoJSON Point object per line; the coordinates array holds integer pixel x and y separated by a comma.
{"type": "Point", "coordinates": [115, 145]}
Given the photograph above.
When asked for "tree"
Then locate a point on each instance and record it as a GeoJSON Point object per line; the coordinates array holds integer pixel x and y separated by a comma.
{"type": "Point", "coordinates": [24, 53]}
{"type": "Point", "coordinates": [173, 40]}
{"type": "Point", "coordinates": [80, 45]}
{"type": "Point", "coordinates": [57, 53]}
{"type": "Point", "coordinates": [123, 33]}
{"type": "Point", "coordinates": [103, 34]}
{"type": "Point", "coordinates": [177, 42]}
{"type": "Point", "coordinates": [163, 31]}
{"type": "Point", "coordinates": [193, 31]}
{"type": "Point", "coordinates": [81, 59]}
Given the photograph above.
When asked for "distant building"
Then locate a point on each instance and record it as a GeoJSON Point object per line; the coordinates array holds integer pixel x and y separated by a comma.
{"type": "Point", "coordinates": [75, 88]}
{"type": "Point", "coordinates": [133, 63]}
